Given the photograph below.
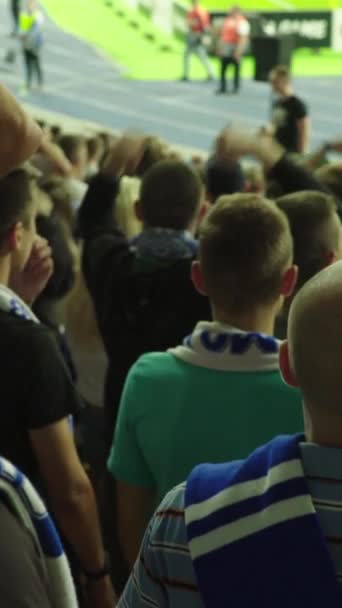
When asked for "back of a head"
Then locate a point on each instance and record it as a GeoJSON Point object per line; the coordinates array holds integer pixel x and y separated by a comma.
{"type": "Point", "coordinates": [330, 176]}
{"type": "Point", "coordinates": [221, 179]}
{"type": "Point", "coordinates": [16, 197]}
{"type": "Point", "coordinates": [280, 72]}
{"type": "Point", "coordinates": [315, 228]}
{"type": "Point", "coordinates": [245, 248]}
{"type": "Point", "coordinates": [315, 341]}
{"type": "Point", "coordinates": [170, 196]}
{"type": "Point", "coordinates": [155, 150]}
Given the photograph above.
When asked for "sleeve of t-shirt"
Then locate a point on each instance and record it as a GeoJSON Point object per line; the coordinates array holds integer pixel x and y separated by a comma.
{"type": "Point", "coordinates": [126, 461]}
{"type": "Point", "coordinates": [162, 576]}
{"type": "Point", "coordinates": [244, 28]}
{"type": "Point", "coordinates": [300, 110]}
{"type": "Point", "coordinates": [50, 393]}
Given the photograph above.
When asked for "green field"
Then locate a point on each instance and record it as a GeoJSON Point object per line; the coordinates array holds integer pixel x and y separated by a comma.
{"type": "Point", "coordinates": [160, 58]}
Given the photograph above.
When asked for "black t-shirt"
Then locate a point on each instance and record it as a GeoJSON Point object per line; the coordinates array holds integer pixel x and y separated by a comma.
{"type": "Point", "coordinates": [285, 114]}
{"type": "Point", "coordinates": [35, 388]}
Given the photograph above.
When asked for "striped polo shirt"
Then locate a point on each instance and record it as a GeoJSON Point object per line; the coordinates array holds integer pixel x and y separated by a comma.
{"type": "Point", "coordinates": [164, 575]}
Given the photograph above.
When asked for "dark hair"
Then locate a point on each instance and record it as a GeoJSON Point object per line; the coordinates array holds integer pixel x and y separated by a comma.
{"type": "Point", "coordinates": [155, 150]}
{"type": "Point", "coordinates": [223, 179]}
{"type": "Point", "coordinates": [71, 145]}
{"type": "Point", "coordinates": [56, 132]}
{"type": "Point", "coordinates": [245, 245]}
{"type": "Point", "coordinates": [170, 195]}
{"type": "Point", "coordinates": [314, 235]}
{"type": "Point", "coordinates": [16, 199]}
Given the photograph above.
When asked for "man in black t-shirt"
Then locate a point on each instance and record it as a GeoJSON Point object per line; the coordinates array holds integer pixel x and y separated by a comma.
{"type": "Point", "coordinates": [290, 122]}
{"type": "Point", "coordinates": [37, 395]}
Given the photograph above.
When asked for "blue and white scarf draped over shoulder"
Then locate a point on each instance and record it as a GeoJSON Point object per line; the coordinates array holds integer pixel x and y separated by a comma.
{"type": "Point", "coordinates": [217, 346]}
{"type": "Point", "coordinates": [254, 535]}
{"type": "Point", "coordinates": [10, 302]}
{"type": "Point", "coordinates": [28, 507]}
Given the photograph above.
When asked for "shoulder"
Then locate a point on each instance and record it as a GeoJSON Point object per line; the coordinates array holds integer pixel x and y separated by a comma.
{"type": "Point", "coordinates": [168, 523]}
{"type": "Point", "coordinates": [244, 27]}
{"type": "Point", "coordinates": [153, 366]}
{"type": "Point", "coordinates": [27, 334]}
{"type": "Point", "coordinates": [300, 106]}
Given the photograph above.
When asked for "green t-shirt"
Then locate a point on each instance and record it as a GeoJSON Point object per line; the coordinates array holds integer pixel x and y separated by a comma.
{"type": "Point", "coordinates": [175, 415]}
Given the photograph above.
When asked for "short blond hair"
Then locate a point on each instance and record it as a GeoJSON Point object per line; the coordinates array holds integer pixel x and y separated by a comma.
{"type": "Point", "coordinates": [245, 246]}
{"type": "Point", "coordinates": [280, 71]}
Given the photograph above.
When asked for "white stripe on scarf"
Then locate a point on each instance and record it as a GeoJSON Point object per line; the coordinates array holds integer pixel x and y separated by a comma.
{"type": "Point", "coordinates": [31, 512]}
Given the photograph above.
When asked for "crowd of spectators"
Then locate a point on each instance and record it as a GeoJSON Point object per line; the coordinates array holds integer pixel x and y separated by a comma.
{"type": "Point", "coordinates": [159, 312]}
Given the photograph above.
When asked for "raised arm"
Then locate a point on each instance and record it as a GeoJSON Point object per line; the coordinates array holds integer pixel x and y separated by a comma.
{"type": "Point", "coordinates": [20, 134]}
{"type": "Point", "coordinates": [292, 177]}
{"type": "Point", "coordinates": [106, 251]}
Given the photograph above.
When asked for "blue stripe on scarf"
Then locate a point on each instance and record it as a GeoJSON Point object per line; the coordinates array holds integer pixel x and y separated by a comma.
{"type": "Point", "coordinates": [238, 343]}
{"type": "Point", "coordinates": [281, 491]}
{"type": "Point", "coordinates": [213, 478]}
{"type": "Point", "coordinates": [48, 537]}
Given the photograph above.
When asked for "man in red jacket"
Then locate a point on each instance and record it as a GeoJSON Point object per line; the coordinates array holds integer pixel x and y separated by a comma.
{"type": "Point", "coordinates": [233, 42]}
{"type": "Point", "coordinates": [198, 23]}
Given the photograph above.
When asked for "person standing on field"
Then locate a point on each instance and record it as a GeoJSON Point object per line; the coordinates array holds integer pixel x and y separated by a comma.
{"type": "Point", "coordinates": [198, 23]}
{"type": "Point", "coordinates": [234, 39]}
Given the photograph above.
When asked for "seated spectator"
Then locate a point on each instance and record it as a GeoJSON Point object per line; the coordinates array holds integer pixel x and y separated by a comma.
{"type": "Point", "coordinates": [220, 394]}
{"type": "Point", "coordinates": [142, 291]}
{"type": "Point", "coordinates": [37, 392]}
{"type": "Point", "coordinates": [267, 527]}
{"type": "Point", "coordinates": [317, 235]}
{"type": "Point", "coordinates": [75, 150]}
{"type": "Point", "coordinates": [34, 570]}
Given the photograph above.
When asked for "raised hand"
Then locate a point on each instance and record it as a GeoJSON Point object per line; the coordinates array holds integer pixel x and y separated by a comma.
{"type": "Point", "coordinates": [31, 281]}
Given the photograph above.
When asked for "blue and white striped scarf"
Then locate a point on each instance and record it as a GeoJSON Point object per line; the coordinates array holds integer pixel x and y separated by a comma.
{"type": "Point", "coordinates": [254, 535]}
{"type": "Point", "coordinates": [31, 512]}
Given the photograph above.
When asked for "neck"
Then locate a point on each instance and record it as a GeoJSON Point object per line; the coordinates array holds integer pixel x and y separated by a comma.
{"type": "Point", "coordinates": [254, 321]}
{"type": "Point", "coordinates": [287, 92]}
{"type": "Point", "coordinates": [324, 431]}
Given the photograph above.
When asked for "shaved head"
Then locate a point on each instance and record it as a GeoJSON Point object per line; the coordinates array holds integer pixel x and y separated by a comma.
{"type": "Point", "coordinates": [315, 342]}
